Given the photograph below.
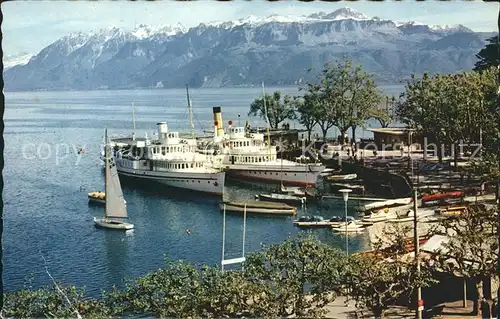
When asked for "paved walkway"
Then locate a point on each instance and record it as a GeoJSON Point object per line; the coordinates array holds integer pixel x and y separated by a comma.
{"type": "Point", "coordinates": [450, 310]}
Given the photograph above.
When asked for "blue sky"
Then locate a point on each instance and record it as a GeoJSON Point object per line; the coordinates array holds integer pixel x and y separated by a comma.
{"type": "Point", "coordinates": [29, 26]}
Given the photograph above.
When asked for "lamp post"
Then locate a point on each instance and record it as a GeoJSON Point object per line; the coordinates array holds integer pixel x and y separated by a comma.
{"type": "Point", "coordinates": [345, 195]}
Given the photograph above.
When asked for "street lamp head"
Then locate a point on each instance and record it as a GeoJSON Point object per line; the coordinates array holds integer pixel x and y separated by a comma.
{"type": "Point", "coordinates": [345, 193]}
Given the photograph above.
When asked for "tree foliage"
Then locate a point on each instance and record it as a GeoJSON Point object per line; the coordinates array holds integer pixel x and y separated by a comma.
{"type": "Point", "coordinates": [305, 108]}
{"type": "Point", "coordinates": [450, 108]}
{"type": "Point", "coordinates": [380, 279]}
{"type": "Point", "coordinates": [49, 302]}
{"type": "Point", "coordinates": [300, 276]}
{"type": "Point", "coordinates": [383, 115]}
{"type": "Point", "coordinates": [278, 109]}
{"type": "Point", "coordinates": [488, 56]}
{"type": "Point", "coordinates": [471, 246]}
{"type": "Point", "coordinates": [347, 94]}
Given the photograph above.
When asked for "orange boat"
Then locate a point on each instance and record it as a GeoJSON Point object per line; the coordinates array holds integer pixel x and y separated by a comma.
{"type": "Point", "coordinates": [442, 198]}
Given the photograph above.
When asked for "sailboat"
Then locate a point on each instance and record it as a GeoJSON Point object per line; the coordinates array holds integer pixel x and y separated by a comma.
{"type": "Point", "coordinates": [114, 206]}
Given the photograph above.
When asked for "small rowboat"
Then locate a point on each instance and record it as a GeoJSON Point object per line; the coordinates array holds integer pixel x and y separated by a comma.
{"type": "Point", "coordinates": [380, 216]}
{"type": "Point", "coordinates": [99, 198]}
{"type": "Point", "coordinates": [318, 221]}
{"type": "Point", "coordinates": [442, 198]}
{"type": "Point", "coordinates": [259, 207]}
{"type": "Point", "coordinates": [282, 198]}
{"type": "Point", "coordinates": [341, 177]}
{"type": "Point", "coordinates": [410, 216]}
{"type": "Point", "coordinates": [292, 190]}
{"type": "Point", "coordinates": [387, 204]}
{"type": "Point", "coordinates": [350, 228]}
{"type": "Point", "coordinates": [452, 211]}
{"type": "Point", "coordinates": [314, 221]}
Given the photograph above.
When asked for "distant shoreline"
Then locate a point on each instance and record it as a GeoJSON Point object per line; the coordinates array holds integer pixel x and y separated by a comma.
{"type": "Point", "coordinates": [381, 86]}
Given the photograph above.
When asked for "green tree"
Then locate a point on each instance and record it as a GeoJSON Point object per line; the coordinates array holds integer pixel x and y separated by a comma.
{"type": "Point", "coordinates": [169, 292]}
{"type": "Point", "coordinates": [471, 246]}
{"type": "Point", "coordinates": [305, 108]}
{"type": "Point", "coordinates": [486, 165]}
{"type": "Point", "coordinates": [301, 276]}
{"type": "Point", "coordinates": [379, 279]}
{"type": "Point", "coordinates": [323, 109]}
{"type": "Point", "coordinates": [348, 95]}
{"type": "Point", "coordinates": [54, 302]}
{"type": "Point", "coordinates": [488, 56]}
{"type": "Point", "coordinates": [448, 107]}
{"type": "Point", "coordinates": [278, 109]}
{"type": "Point", "coordinates": [384, 114]}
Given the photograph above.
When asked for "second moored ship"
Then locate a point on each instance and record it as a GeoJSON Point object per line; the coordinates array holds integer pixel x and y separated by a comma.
{"type": "Point", "coordinates": [248, 156]}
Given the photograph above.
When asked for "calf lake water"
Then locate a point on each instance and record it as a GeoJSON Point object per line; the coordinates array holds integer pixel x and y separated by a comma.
{"type": "Point", "coordinates": [46, 211]}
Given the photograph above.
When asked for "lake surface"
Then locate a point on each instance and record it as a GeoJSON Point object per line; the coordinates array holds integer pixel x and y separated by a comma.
{"type": "Point", "coordinates": [46, 211]}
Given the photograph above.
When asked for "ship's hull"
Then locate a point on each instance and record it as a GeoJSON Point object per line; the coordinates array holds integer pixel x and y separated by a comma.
{"type": "Point", "coordinates": [209, 183]}
{"type": "Point", "coordinates": [299, 175]}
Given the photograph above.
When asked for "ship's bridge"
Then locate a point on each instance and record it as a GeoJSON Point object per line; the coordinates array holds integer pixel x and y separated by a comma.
{"type": "Point", "coordinates": [236, 132]}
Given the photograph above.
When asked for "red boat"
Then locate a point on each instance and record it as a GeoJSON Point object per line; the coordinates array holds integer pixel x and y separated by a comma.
{"type": "Point", "coordinates": [443, 198]}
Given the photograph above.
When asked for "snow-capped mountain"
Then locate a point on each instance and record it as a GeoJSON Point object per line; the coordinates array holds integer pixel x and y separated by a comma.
{"type": "Point", "coordinates": [254, 21]}
{"type": "Point", "coordinates": [144, 31]}
{"type": "Point", "coordinates": [16, 59]}
{"type": "Point", "coordinates": [340, 14]}
{"type": "Point", "coordinates": [276, 49]}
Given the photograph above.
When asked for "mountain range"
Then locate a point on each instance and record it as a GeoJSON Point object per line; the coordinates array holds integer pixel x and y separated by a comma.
{"type": "Point", "coordinates": [277, 50]}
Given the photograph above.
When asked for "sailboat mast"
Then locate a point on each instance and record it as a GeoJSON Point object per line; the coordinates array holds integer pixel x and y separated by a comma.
{"type": "Point", "coordinates": [281, 149]}
{"type": "Point", "coordinates": [133, 120]}
{"type": "Point", "coordinates": [106, 162]}
{"type": "Point", "coordinates": [190, 107]}
{"type": "Point", "coordinates": [267, 121]}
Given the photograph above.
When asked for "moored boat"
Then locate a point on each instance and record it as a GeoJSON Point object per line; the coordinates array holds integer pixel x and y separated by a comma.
{"type": "Point", "coordinates": [351, 227]}
{"type": "Point", "coordinates": [380, 216]}
{"type": "Point", "coordinates": [292, 190]}
{"type": "Point", "coordinates": [319, 221]}
{"type": "Point", "coordinates": [360, 198]}
{"type": "Point", "coordinates": [451, 211]}
{"type": "Point", "coordinates": [341, 177]}
{"type": "Point", "coordinates": [328, 172]}
{"type": "Point", "coordinates": [443, 198]}
{"type": "Point", "coordinates": [314, 221]}
{"type": "Point", "coordinates": [170, 159]}
{"type": "Point", "coordinates": [282, 198]}
{"type": "Point", "coordinates": [356, 189]}
{"type": "Point", "coordinates": [258, 207]}
{"type": "Point", "coordinates": [99, 198]}
{"type": "Point", "coordinates": [388, 203]}
{"type": "Point", "coordinates": [410, 216]}
{"type": "Point", "coordinates": [249, 156]}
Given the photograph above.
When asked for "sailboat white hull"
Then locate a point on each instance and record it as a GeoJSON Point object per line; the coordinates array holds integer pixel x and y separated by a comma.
{"type": "Point", "coordinates": [211, 183]}
{"type": "Point", "coordinates": [296, 175]}
{"type": "Point", "coordinates": [112, 224]}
